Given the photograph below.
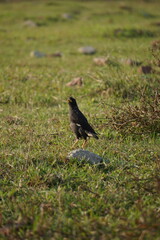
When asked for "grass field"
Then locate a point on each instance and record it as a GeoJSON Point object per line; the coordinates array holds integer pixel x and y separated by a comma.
{"type": "Point", "coordinates": [43, 196]}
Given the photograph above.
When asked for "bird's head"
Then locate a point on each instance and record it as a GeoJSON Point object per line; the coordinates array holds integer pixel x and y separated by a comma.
{"type": "Point", "coordinates": [72, 102]}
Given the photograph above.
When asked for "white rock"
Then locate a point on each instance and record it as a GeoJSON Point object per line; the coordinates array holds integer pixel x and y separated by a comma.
{"type": "Point", "coordinates": [101, 61]}
{"type": "Point", "coordinates": [30, 23]}
{"type": "Point", "coordinates": [67, 16]}
{"type": "Point", "coordinates": [37, 54]}
{"type": "Point", "coordinates": [84, 155]}
{"type": "Point", "coordinates": [76, 81]}
{"type": "Point", "coordinates": [87, 50]}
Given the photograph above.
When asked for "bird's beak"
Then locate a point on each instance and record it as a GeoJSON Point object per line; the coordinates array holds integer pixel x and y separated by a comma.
{"type": "Point", "coordinates": [69, 100]}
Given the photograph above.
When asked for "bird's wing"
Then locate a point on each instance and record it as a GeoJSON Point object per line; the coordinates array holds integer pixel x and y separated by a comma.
{"type": "Point", "coordinates": [81, 121]}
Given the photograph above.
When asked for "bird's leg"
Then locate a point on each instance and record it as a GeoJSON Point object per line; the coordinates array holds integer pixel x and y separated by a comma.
{"type": "Point", "coordinates": [84, 144]}
{"type": "Point", "coordinates": [76, 141]}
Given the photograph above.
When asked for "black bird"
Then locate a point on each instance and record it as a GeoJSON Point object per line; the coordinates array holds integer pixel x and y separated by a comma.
{"type": "Point", "coordinates": [79, 123]}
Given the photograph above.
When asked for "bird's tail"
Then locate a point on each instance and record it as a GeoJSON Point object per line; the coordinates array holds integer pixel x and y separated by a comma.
{"type": "Point", "coordinates": [95, 136]}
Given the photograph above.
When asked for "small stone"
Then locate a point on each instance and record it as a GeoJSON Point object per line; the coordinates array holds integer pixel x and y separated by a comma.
{"type": "Point", "coordinates": [56, 54]}
{"type": "Point", "coordinates": [131, 62]}
{"type": "Point", "coordinates": [145, 69]}
{"type": "Point", "coordinates": [87, 50]}
{"type": "Point", "coordinates": [30, 23]}
{"type": "Point", "coordinates": [67, 16]}
{"type": "Point", "coordinates": [125, 7]}
{"type": "Point", "coordinates": [101, 61]}
{"type": "Point", "coordinates": [156, 24]}
{"type": "Point", "coordinates": [37, 54]}
{"type": "Point", "coordinates": [84, 155]}
{"type": "Point", "coordinates": [76, 81]}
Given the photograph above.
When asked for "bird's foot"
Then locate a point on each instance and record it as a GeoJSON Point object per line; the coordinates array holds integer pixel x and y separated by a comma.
{"type": "Point", "coordinates": [74, 144]}
{"type": "Point", "coordinates": [84, 144]}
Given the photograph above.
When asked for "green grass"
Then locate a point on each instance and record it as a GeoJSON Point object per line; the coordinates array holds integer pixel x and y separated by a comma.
{"type": "Point", "coordinates": [42, 195]}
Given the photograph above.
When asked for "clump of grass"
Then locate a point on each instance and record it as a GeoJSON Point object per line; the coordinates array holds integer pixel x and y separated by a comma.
{"type": "Point", "coordinates": [140, 119]}
{"type": "Point", "coordinates": [132, 33]}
